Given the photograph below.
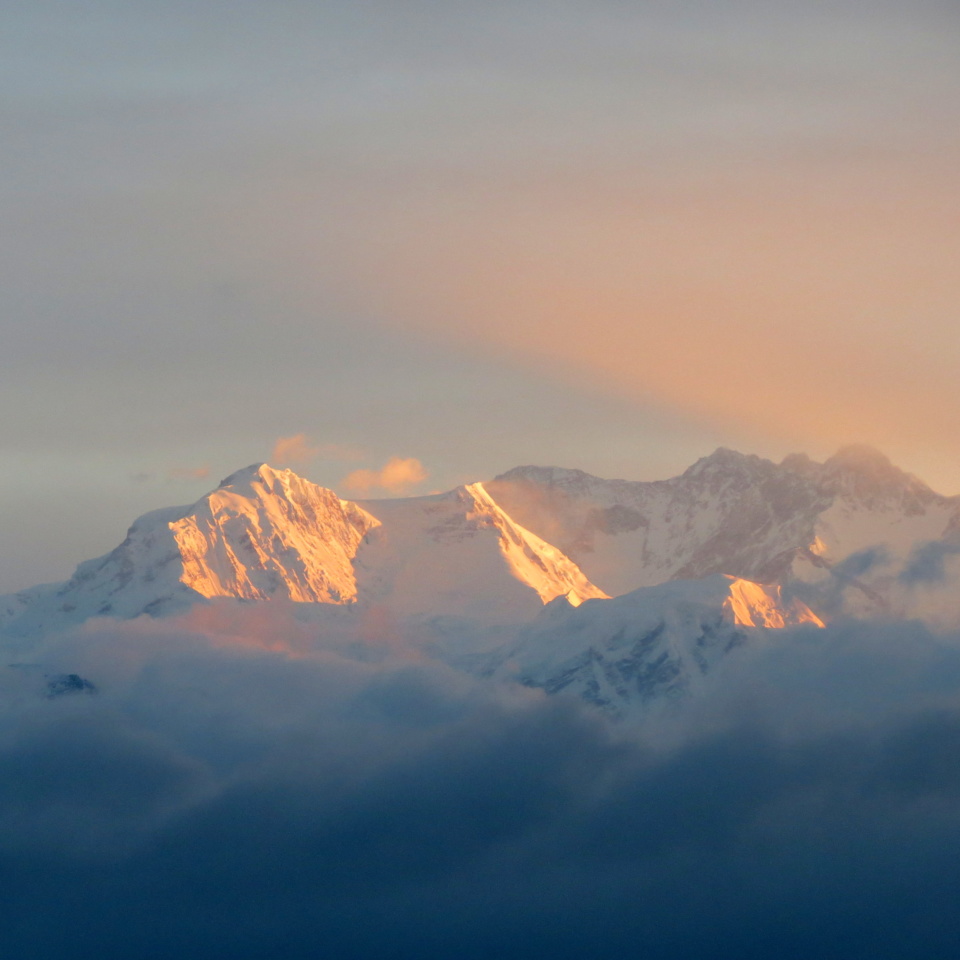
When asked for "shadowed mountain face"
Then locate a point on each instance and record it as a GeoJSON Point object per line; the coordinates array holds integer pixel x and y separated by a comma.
{"type": "Point", "coordinates": [729, 513]}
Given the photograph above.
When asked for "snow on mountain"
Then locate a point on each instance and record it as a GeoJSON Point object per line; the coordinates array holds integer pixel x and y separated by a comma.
{"type": "Point", "coordinates": [458, 553]}
{"type": "Point", "coordinates": [262, 533]}
{"type": "Point", "coordinates": [266, 533]}
{"type": "Point", "coordinates": [740, 515]}
{"type": "Point", "coordinates": [729, 513]}
{"type": "Point", "coordinates": [655, 642]}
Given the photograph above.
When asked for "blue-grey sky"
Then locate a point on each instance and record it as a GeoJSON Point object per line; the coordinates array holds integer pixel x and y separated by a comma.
{"type": "Point", "coordinates": [603, 235]}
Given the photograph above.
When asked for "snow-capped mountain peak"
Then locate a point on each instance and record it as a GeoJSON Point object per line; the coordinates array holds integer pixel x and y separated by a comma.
{"type": "Point", "coordinates": [262, 533]}
{"type": "Point", "coordinates": [498, 550]}
{"type": "Point", "coordinates": [265, 533]}
{"type": "Point", "coordinates": [724, 462]}
{"type": "Point", "coordinates": [868, 475]}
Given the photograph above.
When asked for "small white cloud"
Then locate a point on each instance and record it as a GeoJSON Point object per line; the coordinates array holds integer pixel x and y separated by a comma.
{"type": "Point", "coordinates": [295, 449]}
{"type": "Point", "coordinates": [398, 475]}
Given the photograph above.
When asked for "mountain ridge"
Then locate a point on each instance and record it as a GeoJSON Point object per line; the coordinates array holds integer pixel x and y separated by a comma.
{"type": "Point", "coordinates": [729, 513]}
{"type": "Point", "coordinates": [499, 578]}
{"type": "Point", "coordinates": [841, 534]}
{"type": "Point", "coordinates": [264, 533]}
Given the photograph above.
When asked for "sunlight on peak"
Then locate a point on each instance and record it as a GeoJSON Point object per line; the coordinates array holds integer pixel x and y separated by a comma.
{"type": "Point", "coordinates": [818, 547]}
{"type": "Point", "coordinates": [574, 598]}
{"type": "Point", "coordinates": [757, 605]}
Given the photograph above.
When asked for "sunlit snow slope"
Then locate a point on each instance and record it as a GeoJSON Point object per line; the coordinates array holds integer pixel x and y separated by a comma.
{"type": "Point", "coordinates": [459, 553]}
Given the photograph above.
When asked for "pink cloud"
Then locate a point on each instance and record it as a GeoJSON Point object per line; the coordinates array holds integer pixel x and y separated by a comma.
{"type": "Point", "coordinates": [189, 473]}
{"type": "Point", "coordinates": [398, 475]}
{"type": "Point", "coordinates": [300, 449]}
{"type": "Point", "coordinates": [295, 449]}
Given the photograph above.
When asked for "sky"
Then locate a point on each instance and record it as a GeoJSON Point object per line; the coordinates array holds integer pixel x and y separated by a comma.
{"type": "Point", "coordinates": [419, 243]}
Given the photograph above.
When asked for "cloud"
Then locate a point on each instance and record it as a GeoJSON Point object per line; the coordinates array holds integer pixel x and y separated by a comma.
{"type": "Point", "coordinates": [295, 449]}
{"type": "Point", "coordinates": [300, 449]}
{"type": "Point", "coordinates": [189, 473]}
{"type": "Point", "coordinates": [927, 564]}
{"type": "Point", "coordinates": [398, 475]}
{"type": "Point", "coordinates": [236, 800]}
{"type": "Point", "coordinates": [173, 475]}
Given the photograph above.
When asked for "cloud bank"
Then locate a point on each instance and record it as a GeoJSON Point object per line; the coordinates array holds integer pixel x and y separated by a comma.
{"type": "Point", "coordinates": [242, 790]}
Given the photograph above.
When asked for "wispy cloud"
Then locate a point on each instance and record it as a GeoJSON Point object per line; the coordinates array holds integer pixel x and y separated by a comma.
{"type": "Point", "coordinates": [173, 475]}
{"type": "Point", "coordinates": [189, 473]}
{"type": "Point", "coordinates": [295, 449]}
{"type": "Point", "coordinates": [301, 449]}
{"type": "Point", "coordinates": [398, 475]}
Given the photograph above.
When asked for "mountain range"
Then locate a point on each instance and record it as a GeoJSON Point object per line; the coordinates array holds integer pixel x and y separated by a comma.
{"type": "Point", "coordinates": [621, 591]}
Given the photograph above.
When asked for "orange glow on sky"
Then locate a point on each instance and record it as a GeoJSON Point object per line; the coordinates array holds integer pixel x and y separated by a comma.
{"type": "Point", "coordinates": [812, 304]}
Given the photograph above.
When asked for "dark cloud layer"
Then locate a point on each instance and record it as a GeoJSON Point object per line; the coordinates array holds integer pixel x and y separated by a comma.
{"type": "Point", "coordinates": [232, 802]}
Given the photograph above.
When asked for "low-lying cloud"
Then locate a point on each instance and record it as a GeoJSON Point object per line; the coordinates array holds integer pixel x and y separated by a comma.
{"type": "Point", "coordinates": [927, 564]}
{"type": "Point", "coordinates": [223, 797]}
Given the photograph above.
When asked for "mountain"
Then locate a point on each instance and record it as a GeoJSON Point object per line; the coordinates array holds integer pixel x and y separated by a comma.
{"type": "Point", "coordinates": [459, 553]}
{"type": "Point", "coordinates": [655, 642]}
{"type": "Point", "coordinates": [512, 578]}
{"type": "Point", "coordinates": [266, 533]}
{"type": "Point", "coordinates": [262, 533]}
{"type": "Point", "coordinates": [846, 521]}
